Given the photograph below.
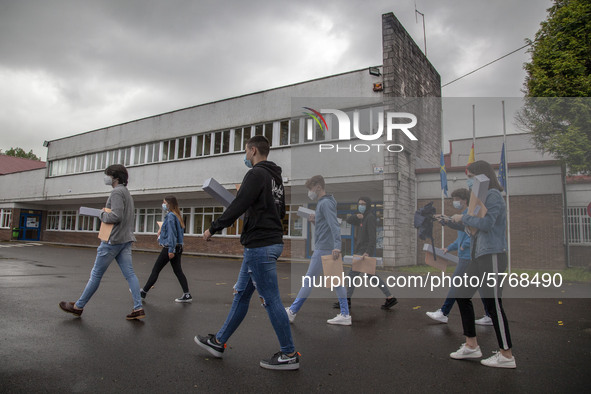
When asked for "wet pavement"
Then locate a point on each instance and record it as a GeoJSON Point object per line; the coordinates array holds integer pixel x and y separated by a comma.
{"type": "Point", "coordinates": [43, 349]}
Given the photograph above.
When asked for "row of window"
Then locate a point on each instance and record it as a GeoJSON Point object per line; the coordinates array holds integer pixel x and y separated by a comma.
{"type": "Point", "coordinates": [5, 217]}
{"type": "Point", "coordinates": [279, 133]}
{"type": "Point", "coordinates": [197, 220]}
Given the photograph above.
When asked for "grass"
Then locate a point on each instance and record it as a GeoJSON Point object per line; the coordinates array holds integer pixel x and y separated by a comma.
{"type": "Point", "coordinates": [577, 274]}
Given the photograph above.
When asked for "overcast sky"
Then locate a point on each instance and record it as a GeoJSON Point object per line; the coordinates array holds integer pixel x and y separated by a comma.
{"type": "Point", "coordinates": [70, 66]}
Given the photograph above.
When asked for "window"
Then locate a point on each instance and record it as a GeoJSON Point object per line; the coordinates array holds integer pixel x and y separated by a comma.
{"type": "Point", "coordinates": [284, 132]}
{"type": "Point", "coordinates": [113, 157]}
{"type": "Point", "coordinates": [221, 142]}
{"type": "Point", "coordinates": [204, 217]}
{"type": "Point", "coordinates": [292, 223]}
{"type": "Point", "coordinates": [53, 220]}
{"type": "Point", "coordinates": [88, 223]}
{"type": "Point", "coordinates": [70, 165]}
{"type": "Point", "coordinates": [294, 136]}
{"type": "Point", "coordinates": [269, 133]}
{"type": "Point", "coordinates": [199, 150]}
{"type": "Point", "coordinates": [168, 150]}
{"type": "Point", "coordinates": [139, 154]}
{"type": "Point", "coordinates": [125, 156]}
{"type": "Point", "coordinates": [68, 222]}
{"type": "Point", "coordinates": [241, 135]}
{"type": "Point", "coordinates": [184, 147]}
{"type": "Point", "coordinates": [207, 144]}
{"type": "Point", "coordinates": [79, 166]}
{"type": "Point", "coordinates": [101, 161]}
{"type": "Point", "coordinates": [236, 228]}
{"type": "Point", "coordinates": [146, 220]}
{"type": "Point", "coordinates": [5, 218]}
{"type": "Point", "coordinates": [153, 152]}
{"type": "Point", "coordinates": [579, 226]}
{"type": "Point", "coordinates": [91, 162]}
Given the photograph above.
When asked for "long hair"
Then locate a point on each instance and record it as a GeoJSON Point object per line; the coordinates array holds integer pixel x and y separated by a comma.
{"type": "Point", "coordinates": [482, 167]}
{"type": "Point", "coordinates": [173, 206]}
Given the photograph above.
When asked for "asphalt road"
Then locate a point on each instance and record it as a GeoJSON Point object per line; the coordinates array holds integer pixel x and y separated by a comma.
{"type": "Point", "coordinates": [43, 349]}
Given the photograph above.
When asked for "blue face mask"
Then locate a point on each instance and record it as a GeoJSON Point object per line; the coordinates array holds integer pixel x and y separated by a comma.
{"type": "Point", "coordinates": [164, 207]}
{"type": "Point", "coordinates": [361, 208]}
{"type": "Point", "coordinates": [247, 162]}
{"type": "Point", "coordinates": [457, 204]}
{"type": "Point", "coordinates": [470, 183]}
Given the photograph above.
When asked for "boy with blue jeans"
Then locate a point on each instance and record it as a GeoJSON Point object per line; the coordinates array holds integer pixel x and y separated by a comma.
{"type": "Point", "coordinates": [328, 242]}
{"type": "Point", "coordinates": [261, 199]}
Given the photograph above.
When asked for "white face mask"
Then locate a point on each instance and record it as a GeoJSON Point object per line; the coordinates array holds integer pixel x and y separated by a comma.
{"type": "Point", "coordinates": [164, 207]}
{"type": "Point", "coordinates": [312, 195]}
{"type": "Point", "coordinates": [108, 180]}
{"type": "Point", "coordinates": [457, 204]}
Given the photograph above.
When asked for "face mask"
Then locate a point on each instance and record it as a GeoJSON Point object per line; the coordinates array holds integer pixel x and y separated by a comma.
{"type": "Point", "coordinates": [361, 208]}
{"type": "Point", "coordinates": [457, 204]}
{"type": "Point", "coordinates": [470, 183]}
{"type": "Point", "coordinates": [108, 180]}
{"type": "Point", "coordinates": [312, 195]}
{"type": "Point", "coordinates": [164, 207]}
{"type": "Point", "coordinates": [247, 162]}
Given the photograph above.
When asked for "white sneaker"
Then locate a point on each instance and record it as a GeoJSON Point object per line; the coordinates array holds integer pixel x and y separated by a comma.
{"type": "Point", "coordinates": [438, 315]}
{"type": "Point", "coordinates": [465, 352]}
{"type": "Point", "coordinates": [497, 360]}
{"type": "Point", "coordinates": [340, 319]}
{"type": "Point", "coordinates": [484, 321]}
{"type": "Point", "coordinates": [290, 315]}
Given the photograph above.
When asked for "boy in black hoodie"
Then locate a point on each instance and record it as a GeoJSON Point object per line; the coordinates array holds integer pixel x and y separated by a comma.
{"type": "Point", "coordinates": [365, 245]}
{"type": "Point", "coordinates": [261, 200]}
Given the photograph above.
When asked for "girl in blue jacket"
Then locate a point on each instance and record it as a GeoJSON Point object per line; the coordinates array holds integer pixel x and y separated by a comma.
{"type": "Point", "coordinates": [170, 237]}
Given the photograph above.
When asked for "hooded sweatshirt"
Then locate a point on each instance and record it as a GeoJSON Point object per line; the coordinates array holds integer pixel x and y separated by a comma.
{"type": "Point", "coordinates": [328, 231]}
{"type": "Point", "coordinates": [261, 198]}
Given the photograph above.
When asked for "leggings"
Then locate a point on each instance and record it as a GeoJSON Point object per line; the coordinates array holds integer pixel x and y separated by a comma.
{"type": "Point", "coordinates": [161, 261]}
{"type": "Point", "coordinates": [486, 265]}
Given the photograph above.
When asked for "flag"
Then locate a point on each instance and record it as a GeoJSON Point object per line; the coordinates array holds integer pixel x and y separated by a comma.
{"type": "Point", "coordinates": [502, 167]}
{"type": "Point", "coordinates": [443, 175]}
{"type": "Point", "coordinates": [471, 158]}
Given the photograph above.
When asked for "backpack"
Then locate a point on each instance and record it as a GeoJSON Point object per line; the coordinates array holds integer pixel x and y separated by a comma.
{"type": "Point", "coordinates": [423, 220]}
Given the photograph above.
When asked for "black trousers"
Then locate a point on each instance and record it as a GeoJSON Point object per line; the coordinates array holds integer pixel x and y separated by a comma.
{"type": "Point", "coordinates": [487, 266]}
{"type": "Point", "coordinates": [161, 261]}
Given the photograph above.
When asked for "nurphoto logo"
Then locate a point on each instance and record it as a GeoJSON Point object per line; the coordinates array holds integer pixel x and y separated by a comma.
{"type": "Point", "coordinates": [344, 130]}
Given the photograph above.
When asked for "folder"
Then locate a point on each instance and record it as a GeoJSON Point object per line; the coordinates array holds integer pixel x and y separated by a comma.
{"type": "Point", "coordinates": [105, 230]}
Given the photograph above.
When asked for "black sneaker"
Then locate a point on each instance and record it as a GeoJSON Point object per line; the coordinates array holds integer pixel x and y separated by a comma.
{"type": "Point", "coordinates": [211, 345]}
{"type": "Point", "coordinates": [337, 305]}
{"type": "Point", "coordinates": [390, 302]}
{"type": "Point", "coordinates": [185, 298]}
{"type": "Point", "coordinates": [142, 294]}
{"type": "Point", "coordinates": [282, 361]}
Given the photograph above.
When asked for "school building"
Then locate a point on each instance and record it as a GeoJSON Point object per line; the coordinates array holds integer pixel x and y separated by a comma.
{"type": "Point", "coordinates": [175, 152]}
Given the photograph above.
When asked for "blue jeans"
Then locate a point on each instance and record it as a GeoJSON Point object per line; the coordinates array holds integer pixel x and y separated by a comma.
{"type": "Point", "coordinates": [451, 295]}
{"type": "Point", "coordinates": [314, 270]}
{"type": "Point", "coordinates": [104, 256]}
{"type": "Point", "coordinates": [259, 271]}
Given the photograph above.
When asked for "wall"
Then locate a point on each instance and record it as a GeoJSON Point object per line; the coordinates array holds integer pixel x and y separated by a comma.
{"type": "Point", "coordinates": [407, 74]}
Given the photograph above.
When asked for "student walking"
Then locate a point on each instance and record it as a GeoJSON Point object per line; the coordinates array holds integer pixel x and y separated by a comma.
{"type": "Point", "coordinates": [365, 244]}
{"type": "Point", "coordinates": [328, 243]}
{"type": "Point", "coordinates": [489, 258]}
{"type": "Point", "coordinates": [117, 248]}
{"type": "Point", "coordinates": [461, 198]}
{"type": "Point", "coordinates": [261, 198]}
{"type": "Point", "coordinates": [170, 237]}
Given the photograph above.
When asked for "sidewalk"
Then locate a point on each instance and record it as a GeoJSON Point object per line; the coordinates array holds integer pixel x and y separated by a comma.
{"type": "Point", "coordinates": [45, 349]}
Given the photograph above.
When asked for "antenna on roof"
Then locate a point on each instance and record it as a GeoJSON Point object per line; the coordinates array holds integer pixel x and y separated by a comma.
{"type": "Point", "coordinates": [417, 20]}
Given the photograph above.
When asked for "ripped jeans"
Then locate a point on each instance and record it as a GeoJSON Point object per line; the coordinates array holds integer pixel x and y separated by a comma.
{"type": "Point", "coordinates": [259, 271]}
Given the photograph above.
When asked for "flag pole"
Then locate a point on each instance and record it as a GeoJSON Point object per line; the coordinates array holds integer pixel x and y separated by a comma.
{"type": "Point", "coordinates": [506, 188]}
{"type": "Point", "coordinates": [474, 125]}
{"type": "Point", "coordinates": [442, 198]}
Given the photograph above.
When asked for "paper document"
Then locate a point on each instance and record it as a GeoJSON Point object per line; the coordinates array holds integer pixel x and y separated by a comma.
{"type": "Point", "coordinates": [85, 211]}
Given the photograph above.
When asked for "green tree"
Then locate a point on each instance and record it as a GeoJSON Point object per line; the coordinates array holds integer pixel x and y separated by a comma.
{"type": "Point", "coordinates": [560, 68]}
{"type": "Point", "coordinates": [20, 152]}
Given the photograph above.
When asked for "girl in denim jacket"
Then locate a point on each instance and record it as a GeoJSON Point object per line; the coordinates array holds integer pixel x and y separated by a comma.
{"type": "Point", "coordinates": [170, 237]}
{"type": "Point", "coordinates": [489, 258]}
